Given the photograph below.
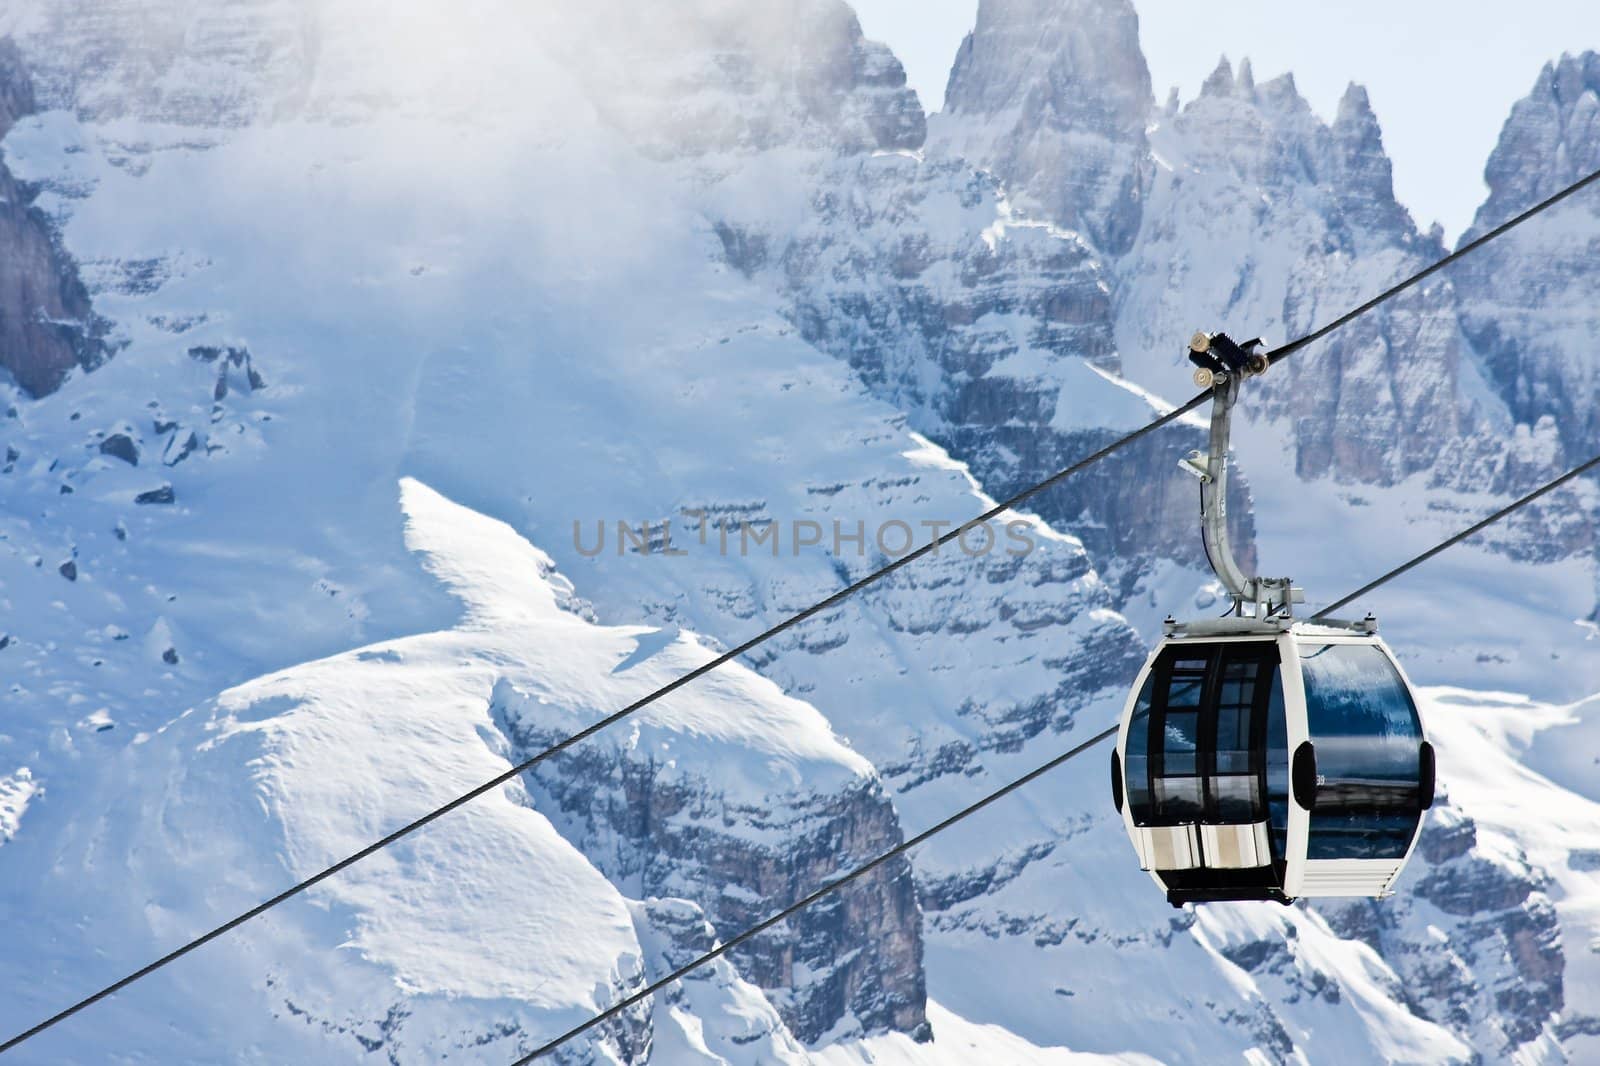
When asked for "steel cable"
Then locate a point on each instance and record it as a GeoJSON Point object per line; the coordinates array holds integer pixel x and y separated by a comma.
{"type": "Point", "coordinates": [1004, 790]}
{"type": "Point", "coordinates": [1274, 356]}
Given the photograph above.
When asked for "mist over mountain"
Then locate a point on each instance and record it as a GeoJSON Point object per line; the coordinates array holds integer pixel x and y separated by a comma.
{"type": "Point", "coordinates": [338, 332]}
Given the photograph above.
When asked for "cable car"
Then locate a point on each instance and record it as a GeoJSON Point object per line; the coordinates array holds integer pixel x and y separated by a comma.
{"type": "Point", "coordinates": [1262, 757]}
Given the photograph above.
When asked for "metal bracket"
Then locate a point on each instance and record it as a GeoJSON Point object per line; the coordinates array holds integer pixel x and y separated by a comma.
{"type": "Point", "coordinates": [1225, 364]}
{"type": "Point", "coordinates": [1195, 463]}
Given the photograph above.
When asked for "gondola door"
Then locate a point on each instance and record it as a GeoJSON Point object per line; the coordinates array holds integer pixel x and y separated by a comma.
{"type": "Point", "coordinates": [1197, 765]}
{"type": "Point", "coordinates": [1234, 831]}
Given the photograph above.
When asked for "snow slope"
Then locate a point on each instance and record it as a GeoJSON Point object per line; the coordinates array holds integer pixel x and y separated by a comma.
{"type": "Point", "coordinates": [485, 934]}
{"type": "Point", "coordinates": [484, 362]}
{"type": "Point", "coordinates": [513, 287]}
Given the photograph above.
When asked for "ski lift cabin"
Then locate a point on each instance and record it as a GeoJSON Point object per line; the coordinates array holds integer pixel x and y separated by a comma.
{"type": "Point", "coordinates": [1260, 757]}
{"type": "Point", "coordinates": [1271, 763]}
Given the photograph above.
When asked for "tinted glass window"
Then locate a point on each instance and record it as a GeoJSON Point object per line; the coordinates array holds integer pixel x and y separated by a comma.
{"type": "Point", "coordinates": [1137, 768]}
{"type": "Point", "coordinates": [1368, 740]}
{"type": "Point", "coordinates": [1358, 833]}
{"type": "Point", "coordinates": [1236, 783]}
{"type": "Point", "coordinates": [1277, 767]}
{"type": "Point", "coordinates": [1175, 759]}
{"type": "Point", "coordinates": [1177, 799]}
{"type": "Point", "coordinates": [1181, 737]}
{"type": "Point", "coordinates": [1233, 740]}
{"type": "Point", "coordinates": [1184, 692]}
{"type": "Point", "coordinates": [1196, 740]}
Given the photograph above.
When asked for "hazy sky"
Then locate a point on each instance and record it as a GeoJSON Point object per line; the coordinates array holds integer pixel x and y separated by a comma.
{"type": "Point", "coordinates": [1442, 74]}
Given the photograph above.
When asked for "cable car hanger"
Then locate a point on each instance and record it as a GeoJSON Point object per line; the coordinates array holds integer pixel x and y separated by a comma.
{"type": "Point", "coordinates": [1203, 777]}
{"type": "Point", "coordinates": [723, 946]}
{"type": "Point", "coordinates": [1221, 365]}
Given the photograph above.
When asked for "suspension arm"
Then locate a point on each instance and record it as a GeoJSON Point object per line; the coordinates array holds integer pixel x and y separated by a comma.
{"type": "Point", "coordinates": [1223, 365]}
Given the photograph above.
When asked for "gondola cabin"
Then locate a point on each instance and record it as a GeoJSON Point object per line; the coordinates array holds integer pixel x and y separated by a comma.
{"type": "Point", "coordinates": [1264, 760]}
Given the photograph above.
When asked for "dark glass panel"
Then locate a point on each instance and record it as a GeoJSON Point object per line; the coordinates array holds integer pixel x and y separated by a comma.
{"type": "Point", "coordinates": [1233, 740]}
{"type": "Point", "coordinates": [1201, 754]}
{"type": "Point", "coordinates": [1235, 785]}
{"type": "Point", "coordinates": [1238, 798]}
{"type": "Point", "coordinates": [1184, 692]}
{"type": "Point", "coordinates": [1356, 833]}
{"type": "Point", "coordinates": [1136, 766]}
{"type": "Point", "coordinates": [1277, 767]}
{"type": "Point", "coordinates": [1178, 799]}
{"type": "Point", "coordinates": [1180, 739]}
{"type": "Point", "coordinates": [1368, 741]}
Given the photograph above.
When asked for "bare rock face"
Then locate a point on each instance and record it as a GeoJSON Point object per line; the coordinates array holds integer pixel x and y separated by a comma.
{"type": "Point", "coordinates": [121, 446]}
{"type": "Point", "coordinates": [991, 332]}
{"type": "Point", "coordinates": [1054, 99]}
{"type": "Point", "coordinates": [855, 959]}
{"type": "Point", "coordinates": [1473, 934]}
{"type": "Point", "coordinates": [1268, 221]}
{"type": "Point", "coordinates": [989, 323]}
{"type": "Point", "coordinates": [161, 494]}
{"type": "Point", "coordinates": [47, 325]}
{"type": "Point", "coordinates": [1530, 301]}
{"type": "Point", "coordinates": [674, 932]}
{"type": "Point", "coordinates": [1359, 174]}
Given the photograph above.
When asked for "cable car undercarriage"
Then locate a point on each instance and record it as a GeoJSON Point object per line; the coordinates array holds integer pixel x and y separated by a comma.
{"type": "Point", "coordinates": [1261, 757]}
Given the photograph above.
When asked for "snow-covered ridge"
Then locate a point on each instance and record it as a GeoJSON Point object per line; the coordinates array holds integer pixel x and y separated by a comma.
{"type": "Point", "coordinates": [561, 273]}
{"type": "Point", "coordinates": [486, 931]}
{"type": "Point", "coordinates": [1529, 300]}
{"type": "Point", "coordinates": [386, 350]}
{"type": "Point", "coordinates": [763, 741]}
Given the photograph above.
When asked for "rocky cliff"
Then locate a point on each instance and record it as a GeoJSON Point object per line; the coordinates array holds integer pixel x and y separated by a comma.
{"type": "Point", "coordinates": [697, 272]}
{"type": "Point", "coordinates": [1053, 98]}
{"type": "Point", "coordinates": [986, 315]}
{"type": "Point", "coordinates": [1264, 218]}
{"type": "Point", "coordinates": [47, 325]}
{"type": "Point", "coordinates": [1529, 301]}
{"type": "Point", "coordinates": [665, 830]}
{"type": "Point", "coordinates": [992, 331]}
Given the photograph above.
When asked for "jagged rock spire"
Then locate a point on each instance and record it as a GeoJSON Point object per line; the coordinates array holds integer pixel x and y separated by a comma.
{"type": "Point", "coordinates": [1220, 81]}
{"type": "Point", "coordinates": [1360, 172]}
{"type": "Point", "coordinates": [1531, 299]}
{"type": "Point", "coordinates": [1551, 139]}
{"type": "Point", "coordinates": [1054, 97]}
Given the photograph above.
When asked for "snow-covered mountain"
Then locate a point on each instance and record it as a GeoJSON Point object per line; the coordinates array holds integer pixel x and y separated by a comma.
{"type": "Point", "coordinates": [425, 954]}
{"type": "Point", "coordinates": [1054, 98]}
{"type": "Point", "coordinates": [428, 383]}
{"type": "Point", "coordinates": [47, 326]}
{"type": "Point", "coordinates": [1528, 303]}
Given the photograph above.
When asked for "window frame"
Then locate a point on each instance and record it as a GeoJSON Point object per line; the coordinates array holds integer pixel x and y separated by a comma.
{"type": "Point", "coordinates": [1332, 828]}
{"type": "Point", "coordinates": [1160, 791]}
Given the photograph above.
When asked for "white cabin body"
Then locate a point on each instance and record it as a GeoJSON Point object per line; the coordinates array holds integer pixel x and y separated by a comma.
{"type": "Point", "coordinates": [1270, 761]}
